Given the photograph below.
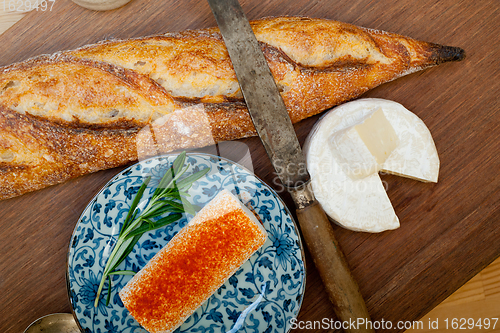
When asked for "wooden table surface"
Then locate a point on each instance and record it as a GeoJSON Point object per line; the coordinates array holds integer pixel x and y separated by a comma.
{"type": "Point", "coordinates": [449, 231]}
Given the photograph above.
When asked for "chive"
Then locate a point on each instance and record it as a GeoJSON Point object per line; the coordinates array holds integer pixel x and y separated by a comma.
{"type": "Point", "coordinates": [167, 198]}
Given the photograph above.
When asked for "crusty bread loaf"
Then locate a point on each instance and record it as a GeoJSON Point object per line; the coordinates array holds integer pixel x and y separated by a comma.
{"type": "Point", "coordinates": [194, 264]}
{"type": "Point", "coordinates": [105, 105]}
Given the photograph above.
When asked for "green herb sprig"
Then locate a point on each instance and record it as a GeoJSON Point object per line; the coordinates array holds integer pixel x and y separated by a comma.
{"type": "Point", "coordinates": [169, 197]}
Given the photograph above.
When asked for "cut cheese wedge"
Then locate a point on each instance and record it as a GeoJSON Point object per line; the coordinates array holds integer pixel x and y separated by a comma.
{"type": "Point", "coordinates": [362, 149]}
{"type": "Point", "coordinates": [194, 264]}
{"type": "Point", "coordinates": [350, 144]}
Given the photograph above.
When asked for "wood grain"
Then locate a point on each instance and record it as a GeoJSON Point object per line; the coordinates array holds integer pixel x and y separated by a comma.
{"type": "Point", "coordinates": [9, 17]}
{"type": "Point", "coordinates": [449, 231]}
{"type": "Point", "coordinates": [477, 300]}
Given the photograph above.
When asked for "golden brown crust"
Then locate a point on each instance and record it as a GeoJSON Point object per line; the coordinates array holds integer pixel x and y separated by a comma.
{"type": "Point", "coordinates": [63, 115]}
{"type": "Point", "coordinates": [81, 92]}
{"type": "Point", "coordinates": [48, 153]}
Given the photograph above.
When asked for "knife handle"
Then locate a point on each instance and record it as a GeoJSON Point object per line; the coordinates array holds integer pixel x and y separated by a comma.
{"type": "Point", "coordinates": [330, 262]}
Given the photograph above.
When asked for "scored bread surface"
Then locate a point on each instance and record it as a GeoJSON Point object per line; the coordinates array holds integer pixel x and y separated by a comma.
{"type": "Point", "coordinates": [193, 265]}
{"type": "Point", "coordinates": [111, 103]}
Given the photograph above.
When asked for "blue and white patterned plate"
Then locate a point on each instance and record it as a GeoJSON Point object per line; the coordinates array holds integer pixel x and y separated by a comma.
{"type": "Point", "coordinates": [262, 296]}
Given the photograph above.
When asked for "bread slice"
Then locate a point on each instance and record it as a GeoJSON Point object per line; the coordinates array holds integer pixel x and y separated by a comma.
{"type": "Point", "coordinates": [194, 264]}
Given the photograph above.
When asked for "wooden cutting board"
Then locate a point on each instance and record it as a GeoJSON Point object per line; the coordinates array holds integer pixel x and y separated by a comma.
{"type": "Point", "coordinates": [449, 230]}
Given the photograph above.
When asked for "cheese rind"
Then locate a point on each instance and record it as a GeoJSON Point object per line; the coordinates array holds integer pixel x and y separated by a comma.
{"type": "Point", "coordinates": [194, 264]}
{"type": "Point", "coordinates": [358, 205]}
{"type": "Point", "coordinates": [416, 156]}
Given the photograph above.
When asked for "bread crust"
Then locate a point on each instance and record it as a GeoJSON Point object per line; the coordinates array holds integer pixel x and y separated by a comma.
{"type": "Point", "coordinates": [65, 115]}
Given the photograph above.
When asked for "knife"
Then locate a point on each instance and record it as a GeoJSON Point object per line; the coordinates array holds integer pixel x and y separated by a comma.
{"type": "Point", "coordinates": [274, 127]}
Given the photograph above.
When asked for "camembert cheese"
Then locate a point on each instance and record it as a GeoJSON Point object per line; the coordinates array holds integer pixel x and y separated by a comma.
{"type": "Point", "coordinates": [349, 146]}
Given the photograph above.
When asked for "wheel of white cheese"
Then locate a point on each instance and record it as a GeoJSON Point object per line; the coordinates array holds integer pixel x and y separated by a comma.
{"type": "Point", "coordinates": [362, 204]}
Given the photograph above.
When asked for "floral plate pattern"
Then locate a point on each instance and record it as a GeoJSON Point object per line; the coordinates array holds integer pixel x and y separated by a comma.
{"type": "Point", "coordinates": [262, 296]}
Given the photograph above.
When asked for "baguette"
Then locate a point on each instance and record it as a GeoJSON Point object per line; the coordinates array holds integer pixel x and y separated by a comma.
{"type": "Point", "coordinates": [111, 103]}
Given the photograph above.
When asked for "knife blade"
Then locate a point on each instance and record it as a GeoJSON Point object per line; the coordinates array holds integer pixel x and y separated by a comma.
{"type": "Point", "coordinates": [275, 129]}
